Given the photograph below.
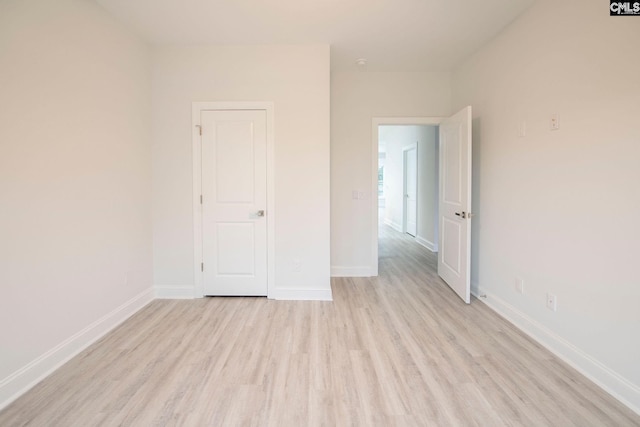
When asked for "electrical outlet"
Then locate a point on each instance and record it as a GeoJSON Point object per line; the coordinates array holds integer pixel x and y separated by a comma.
{"type": "Point", "coordinates": [552, 302]}
{"type": "Point", "coordinates": [519, 285]}
{"type": "Point", "coordinates": [555, 122]}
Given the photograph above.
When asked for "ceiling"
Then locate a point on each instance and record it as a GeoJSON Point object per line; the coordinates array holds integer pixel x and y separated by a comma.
{"type": "Point", "coordinates": [393, 35]}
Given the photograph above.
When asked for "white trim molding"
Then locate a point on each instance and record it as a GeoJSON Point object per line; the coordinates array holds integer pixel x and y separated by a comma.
{"type": "Point", "coordinates": [607, 379]}
{"type": "Point", "coordinates": [175, 292]}
{"type": "Point", "coordinates": [433, 247]}
{"type": "Point", "coordinates": [286, 294]}
{"type": "Point", "coordinates": [26, 377]}
{"type": "Point", "coordinates": [345, 271]}
{"type": "Point", "coordinates": [196, 110]}
{"type": "Point", "coordinates": [394, 225]}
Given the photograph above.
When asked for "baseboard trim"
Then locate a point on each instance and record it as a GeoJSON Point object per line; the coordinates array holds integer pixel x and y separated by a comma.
{"type": "Point", "coordinates": [302, 295]}
{"type": "Point", "coordinates": [394, 225]}
{"type": "Point", "coordinates": [607, 379]}
{"type": "Point", "coordinates": [184, 292]}
{"type": "Point", "coordinates": [433, 247]}
{"type": "Point", "coordinates": [357, 271]}
{"type": "Point", "coordinates": [174, 292]}
{"type": "Point", "coordinates": [18, 383]}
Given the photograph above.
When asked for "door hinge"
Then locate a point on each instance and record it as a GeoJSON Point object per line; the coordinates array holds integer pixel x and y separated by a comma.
{"type": "Point", "coordinates": [199, 129]}
{"type": "Point", "coordinates": [202, 266]}
{"type": "Point", "coordinates": [201, 199]}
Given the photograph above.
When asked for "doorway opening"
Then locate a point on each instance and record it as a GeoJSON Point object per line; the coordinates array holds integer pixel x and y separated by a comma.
{"type": "Point", "coordinates": [406, 187]}
{"type": "Point", "coordinates": [453, 226]}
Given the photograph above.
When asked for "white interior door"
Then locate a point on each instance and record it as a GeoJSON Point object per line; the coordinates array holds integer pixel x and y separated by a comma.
{"type": "Point", "coordinates": [234, 227]}
{"type": "Point", "coordinates": [455, 203]}
{"type": "Point", "coordinates": [410, 169]}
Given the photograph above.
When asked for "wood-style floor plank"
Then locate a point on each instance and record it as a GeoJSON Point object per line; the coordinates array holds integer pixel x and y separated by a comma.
{"type": "Point", "coordinates": [397, 350]}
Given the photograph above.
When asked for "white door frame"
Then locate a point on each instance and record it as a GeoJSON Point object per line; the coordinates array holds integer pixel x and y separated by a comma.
{"type": "Point", "coordinates": [380, 121]}
{"type": "Point", "coordinates": [197, 108]}
{"type": "Point", "coordinates": [412, 146]}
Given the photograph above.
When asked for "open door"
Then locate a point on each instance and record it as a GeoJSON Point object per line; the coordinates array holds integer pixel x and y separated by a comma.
{"type": "Point", "coordinates": [455, 203]}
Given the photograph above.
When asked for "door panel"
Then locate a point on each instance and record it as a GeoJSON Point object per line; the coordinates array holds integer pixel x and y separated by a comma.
{"type": "Point", "coordinates": [235, 254]}
{"type": "Point", "coordinates": [451, 233]}
{"type": "Point", "coordinates": [234, 172]}
{"type": "Point", "coordinates": [234, 192]}
{"type": "Point", "coordinates": [452, 151]}
{"type": "Point", "coordinates": [455, 203]}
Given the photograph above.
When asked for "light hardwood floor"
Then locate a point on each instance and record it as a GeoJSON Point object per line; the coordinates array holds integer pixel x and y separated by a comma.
{"type": "Point", "coordinates": [397, 350]}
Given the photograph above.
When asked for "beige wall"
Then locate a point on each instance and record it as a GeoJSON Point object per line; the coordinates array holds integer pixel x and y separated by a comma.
{"type": "Point", "coordinates": [75, 181]}
{"type": "Point", "coordinates": [557, 208]}
{"type": "Point", "coordinates": [356, 98]}
{"type": "Point", "coordinates": [296, 80]}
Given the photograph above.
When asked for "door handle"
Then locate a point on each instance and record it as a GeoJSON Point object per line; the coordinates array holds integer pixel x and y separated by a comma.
{"type": "Point", "coordinates": [260, 213]}
{"type": "Point", "coordinates": [462, 214]}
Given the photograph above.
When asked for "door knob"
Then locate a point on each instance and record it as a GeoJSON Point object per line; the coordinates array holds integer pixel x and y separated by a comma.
{"type": "Point", "coordinates": [260, 213]}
